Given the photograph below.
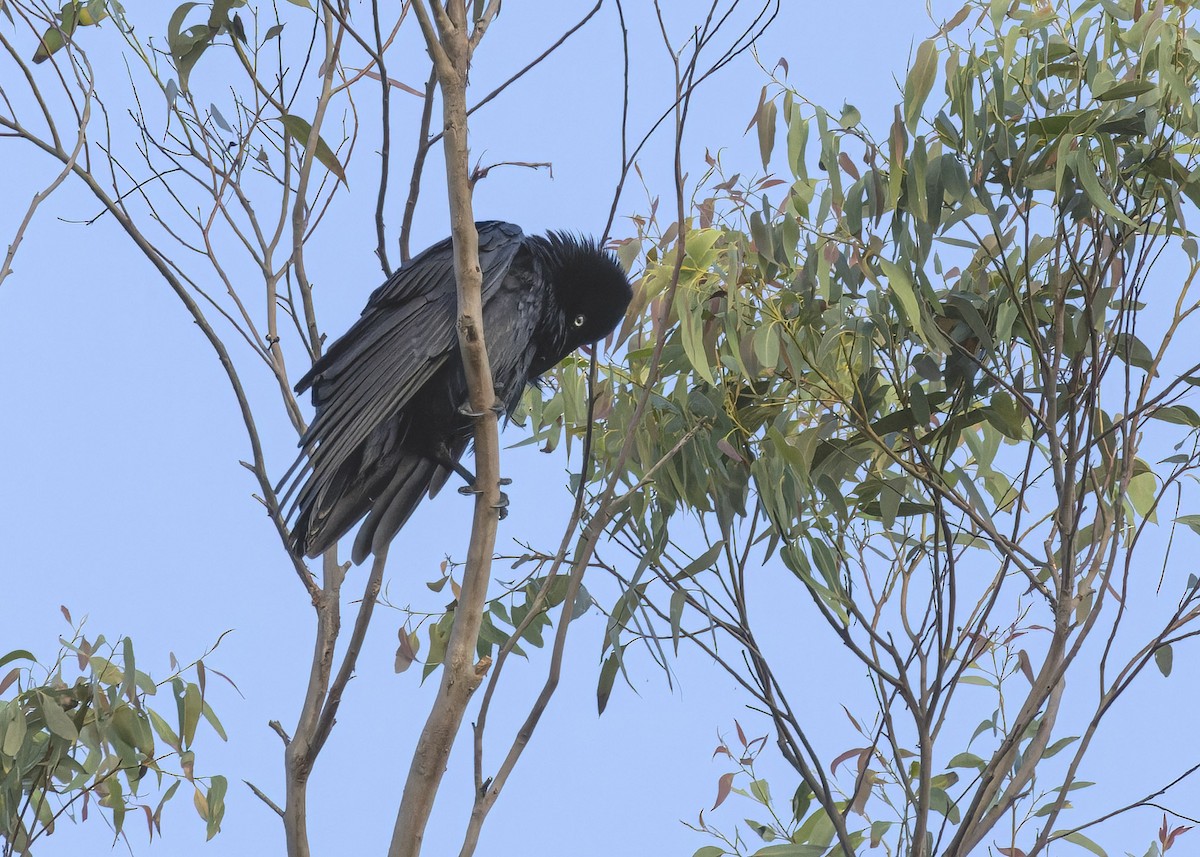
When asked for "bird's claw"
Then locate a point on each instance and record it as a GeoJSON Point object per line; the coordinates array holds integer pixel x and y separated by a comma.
{"type": "Point", "coordinates": [498, 409]}
{"type": "Point", "coordinates": [501, 505]}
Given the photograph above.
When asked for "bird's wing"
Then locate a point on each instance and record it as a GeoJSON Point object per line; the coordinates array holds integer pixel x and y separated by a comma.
{"type": "Point", "coordinates": [405, 335]}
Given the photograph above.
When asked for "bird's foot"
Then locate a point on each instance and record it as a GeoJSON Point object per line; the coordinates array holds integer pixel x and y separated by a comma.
{"type": "Point", "coordinates": [501, 504]}
{"type": "Point", "coordinates": [498, 409]}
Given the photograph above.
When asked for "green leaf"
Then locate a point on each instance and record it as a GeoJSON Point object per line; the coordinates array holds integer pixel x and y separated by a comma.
{"type": "Point", "coordinates": [17, 654]}
{"type": "Point", "coordinates": [761, 791]}
{"type": "Point", "coordinates": [765, 833]}
{"type": "Point", "coordinates": [1128, 89]}
{"type": "Point", "coordinates": [608, 675]}
{"type": "Point", "coordinates": [1059, 745]}
{"type": "Point", "coordinates": [1143, 490]}
{"type": "Point", "coordinates": [1164, 657]}
{"type": "Point", "coordinates": [216, 804]}
{"type": "Point", "coordinates": [966, 760]}
{"type": "Point", "coordinates": [919, 83]}
{"type": "Point", "coordinates": [691, 335]}
{"type": "Point", "coordinates": [941, 803]}
{"type": "Point", "coordinates": [797, 142]}
{"type": "Point", "coordinates": [211, 717]}
{"type": "Point", "coordinates": [52, 41]}
{"type": "Point", "coordinates": [1133, 351]}
{"type": "Point", "coordinates": [1079, 839]}
{"type": "Point", "coordinates": [57, 720]}
{"type": "Point", "coordinates": [299, 130]}
{"type": "Point", "coordinates": [14, 733]}
{"type": "Point", "coordinates": [187, 45]}
{"type": "Point", "coordinates": [165, 731]}
{"type": "Point", "coordinates": [710, 851]}
{"type": "Point", "coordinates": [801, 801]}
{"type": "Point", "coordinates": [678, 599]}
{"type": "Point", "coordinates": [766, 130]}
{"type": "Point", "coordinates": [901, 287]}
{"type": "Point", "coordinates": [701, 563]}
{"type": "Point", "coordinates": [1096, 194]}
{"type": "Point", "coordinates": [977, 679]}
{"type": "Point", "coordinates": [790, 849]}
{"type": "Point", "coordinates": [191, 714]}
{"type": "Point", "coordinates": [1178, 414]}
{"type": "Point", "coordinates": [878, 830]}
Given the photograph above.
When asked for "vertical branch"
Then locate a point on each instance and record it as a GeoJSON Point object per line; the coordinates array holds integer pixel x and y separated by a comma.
{"type": "Point", "coordinates": [385, 150]}
{"type": "Point", "coordinates": [450, 48]}
{"type": "Point", "coordinates": [299, 753]}
{"type": "Point", "coordinates": [333, 42]}
{"type": "Point", "coordinates": [424, 142]}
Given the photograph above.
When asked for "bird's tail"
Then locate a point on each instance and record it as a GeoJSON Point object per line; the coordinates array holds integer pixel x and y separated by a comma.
{"type": "Point", "coordinates": [410, 483]}
{"type": "Point", "coordinates": [327, 512]}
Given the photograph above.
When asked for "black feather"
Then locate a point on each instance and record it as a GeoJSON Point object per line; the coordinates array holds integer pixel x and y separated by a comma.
{"type": "Point", "coordinates": [388, 393]}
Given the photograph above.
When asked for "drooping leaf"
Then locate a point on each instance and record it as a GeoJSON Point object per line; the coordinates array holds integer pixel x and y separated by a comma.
{"type": "Point", "coordinates": [57, 720]}
{"type": "Point", "coordinates": [1128, 89]}
{"type": "Point", "coordinates": [1164, 657]}
{"type": "Point", "coordinates": [1079, 839]}
{"type": "Point", "coordinates": [608, 675]}
{"type": "Point", "coordinates": [766, 131]}
{"type": "Point", "coordinates": [299, 130]}
{"type": "Point", "coordinates": [919, 82]}
{"type": "Point", "coordinates": [724, 784]}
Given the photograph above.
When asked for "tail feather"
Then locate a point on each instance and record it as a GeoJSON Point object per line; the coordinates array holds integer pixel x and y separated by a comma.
{"type": "Point", "coordinates": [391, 509]}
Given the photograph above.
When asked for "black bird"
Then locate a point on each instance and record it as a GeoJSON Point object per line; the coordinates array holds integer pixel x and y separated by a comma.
{"type": "Point", "coordinates": [390, 393]}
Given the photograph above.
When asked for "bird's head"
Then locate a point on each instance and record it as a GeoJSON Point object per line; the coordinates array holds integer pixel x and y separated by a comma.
{"type": "Point", "coordinates": [590, 288]}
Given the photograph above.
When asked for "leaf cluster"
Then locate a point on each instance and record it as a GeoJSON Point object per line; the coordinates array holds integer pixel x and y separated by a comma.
{"type": "Point", "coordinates": [83, 732]}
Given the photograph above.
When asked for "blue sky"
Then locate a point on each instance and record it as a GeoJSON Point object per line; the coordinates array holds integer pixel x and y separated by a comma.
{"type": "Point", "coordinates": [122, 497]}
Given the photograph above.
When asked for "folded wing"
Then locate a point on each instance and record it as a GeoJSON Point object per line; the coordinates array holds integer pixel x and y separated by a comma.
{"type": "Point", "coordinates": [387, 379]}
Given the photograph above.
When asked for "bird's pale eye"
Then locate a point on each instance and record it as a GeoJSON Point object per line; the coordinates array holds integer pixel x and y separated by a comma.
{"type": "Point", "coordinates": [579, 320]}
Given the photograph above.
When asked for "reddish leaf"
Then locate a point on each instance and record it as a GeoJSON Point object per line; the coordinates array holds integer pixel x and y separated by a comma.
{"type": "Point", "coordinates": [1176, 832]}
{"type": "Point", "coordinates": [374, 75]}
{"type": "Point", "coordinates": [7, 681]}
{"type": "Point", "coordinates": [757, 110]}
{"type": "Point", "coordinates": [848, 166]}
{"type": "Point", "coordinates": [405, 654]}
{"type": "Point", "coordinates": [727, 448]}
{"type": "Point", "coordinates": [849, 754]}
{"type": "Point", "coordinates": [1011, 852]}
{"type": "Point", "coordinates": [723, 786]}
{"type": "Point", "coordinates": [722, 749]}
{"type": "Point", "coordinates": [66, 613]}
{"type": "Point", "coordinates": [1026, 667]}
{"type": "Point", "coordinates": [741, 734]}
{"type": "Point", "coordinates": [950, 25]}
